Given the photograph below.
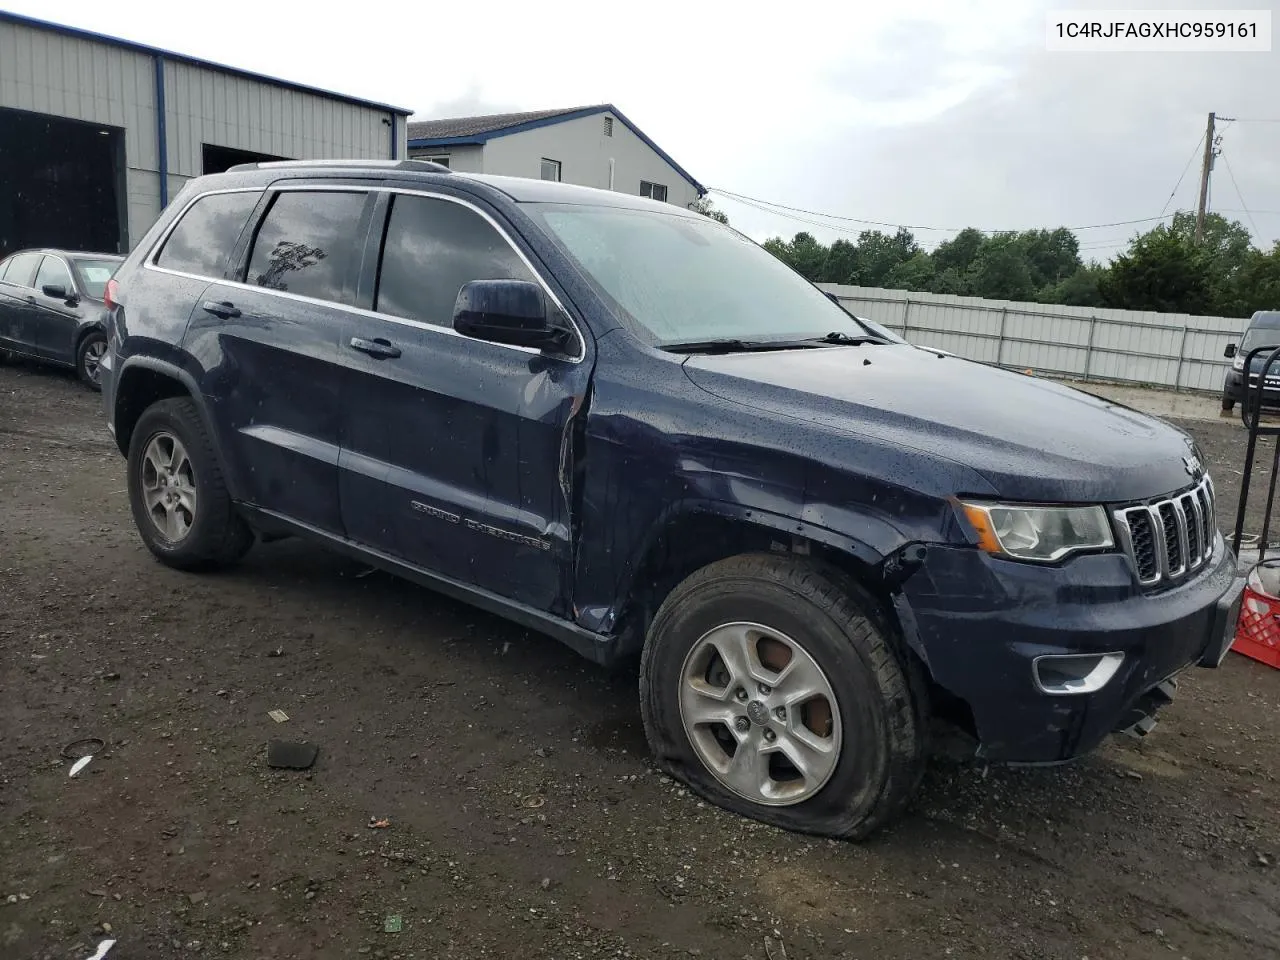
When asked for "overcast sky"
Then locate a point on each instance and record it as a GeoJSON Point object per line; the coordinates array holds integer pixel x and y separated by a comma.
{"type": "Point", "coordinates": [940, 113]}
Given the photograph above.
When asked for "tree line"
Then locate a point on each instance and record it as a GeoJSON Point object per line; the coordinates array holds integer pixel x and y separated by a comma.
{"type": "Point", "coordinates": [1162, 269]}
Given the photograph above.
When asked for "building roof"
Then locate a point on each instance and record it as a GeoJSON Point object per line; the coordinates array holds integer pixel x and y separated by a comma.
{"type": "Point", "coordinates": [463, 131]}
{"type": "Point", "coordinates": [6, 17]}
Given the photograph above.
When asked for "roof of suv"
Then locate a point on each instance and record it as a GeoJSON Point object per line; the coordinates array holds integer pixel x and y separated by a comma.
{"type": "Point", "coordinates": [519, 189]}
{"type": "Point", "coordinates": [1265, 318]}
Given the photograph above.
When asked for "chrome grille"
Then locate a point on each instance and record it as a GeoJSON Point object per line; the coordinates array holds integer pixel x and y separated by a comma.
{"type": "Point", "coordinates": [1169, 538]}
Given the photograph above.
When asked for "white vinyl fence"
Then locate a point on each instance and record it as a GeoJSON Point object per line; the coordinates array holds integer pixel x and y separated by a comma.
{"type": "Point", "coordinates": [1172, 350]}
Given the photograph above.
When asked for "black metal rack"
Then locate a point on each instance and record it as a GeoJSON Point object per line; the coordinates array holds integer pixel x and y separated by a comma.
{"type": "Point", "coordinates": [1251, 416]}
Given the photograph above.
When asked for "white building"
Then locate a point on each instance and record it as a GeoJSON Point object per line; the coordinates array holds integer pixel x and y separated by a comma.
{"type": "Point", "coordinates": [97, 133]}
{"type": "Point", "coordinates": [591, 146]}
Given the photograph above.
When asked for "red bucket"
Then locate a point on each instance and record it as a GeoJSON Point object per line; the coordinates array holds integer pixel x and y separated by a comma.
{"type": "Point", "coordinates": [1258, 630]}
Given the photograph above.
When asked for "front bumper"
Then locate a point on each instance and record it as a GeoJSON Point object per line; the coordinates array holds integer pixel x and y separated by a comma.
{"type": "Point", "coordinates": [1233, 388]}
{"type": "Point", "coordinates": [981, 622]}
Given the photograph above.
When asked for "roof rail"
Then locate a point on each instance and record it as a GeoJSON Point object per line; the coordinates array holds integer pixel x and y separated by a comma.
{"type": "Point", "coordinates": [422, 166]}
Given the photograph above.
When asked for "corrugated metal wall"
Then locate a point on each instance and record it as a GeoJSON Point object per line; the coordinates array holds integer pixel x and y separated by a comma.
{"type": "Point", "coordinates": [206, 106]}
{"type": "Point", "coordinates": [50, 73]}
{"type": "Point", "coordinates": [1174, 350]}
{"type": "Point", "coordinates": [47, 72]}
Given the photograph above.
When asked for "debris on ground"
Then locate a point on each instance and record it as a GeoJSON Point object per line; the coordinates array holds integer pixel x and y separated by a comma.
{"type": "Point", "coordinates": [279, 716]}
{"type": "Point", "coordinates": [102, 950]}
{"type": "Point", "coordinates": [376, 824]}
{"type": "Point", "coordinates": [774, 949]}
{"type": "Point", "coordinates": [291, 755]}
{"type": "Point", "coordinates": [393, 924]}
{"type": "Point", "coordinates": [80, 765]}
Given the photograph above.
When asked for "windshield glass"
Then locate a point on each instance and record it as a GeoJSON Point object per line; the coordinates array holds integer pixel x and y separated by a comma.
{"type": "Point", "coordinates": [676, 279]}
{"type": "Point", "coordinates": [94, 275]}
{"type": "Point", "coordinates": [1256, 337]}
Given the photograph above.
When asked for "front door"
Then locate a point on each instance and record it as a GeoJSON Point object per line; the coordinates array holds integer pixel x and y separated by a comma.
{"type": "Point", "coordinates": [271, 336]}
{"type": "Point", "coordinates": [455, 450]}
{"type": "Point", "coordinates": [57, 321]}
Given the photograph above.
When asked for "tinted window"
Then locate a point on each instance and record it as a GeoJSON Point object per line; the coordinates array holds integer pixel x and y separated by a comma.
{"type": "Point", "coordinates": [94, 275]}
{"type": "Point", "coordinates": [306, 243]}
{"type": "Point", "coordinates": [22, 269]}
{"type": "Point", "coordinates": [432, 247]}
{"type": "Point", "coordinates": [54, 271]}
{"type": "Point", "coordinates": [203, 238]}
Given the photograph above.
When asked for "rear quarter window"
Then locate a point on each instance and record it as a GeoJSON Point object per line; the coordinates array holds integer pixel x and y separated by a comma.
{"type": "Point", "coordinates": [205, 236]}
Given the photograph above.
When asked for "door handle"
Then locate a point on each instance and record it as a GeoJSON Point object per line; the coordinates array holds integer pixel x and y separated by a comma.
{"type": "Point", "coordinates": [382, 349]}
{"type": "Point", "coordinates": [221, 309]}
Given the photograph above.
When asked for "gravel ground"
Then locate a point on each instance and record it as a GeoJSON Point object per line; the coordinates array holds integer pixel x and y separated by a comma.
{"type": "Point", "coordinates": [524, 819]}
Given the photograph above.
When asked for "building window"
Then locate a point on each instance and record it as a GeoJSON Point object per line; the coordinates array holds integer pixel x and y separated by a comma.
{"type": "Point", "coordinates": [608, 126]}
{"type": "Point", "coordinates": [550, 169]}
{"type": "Point", "coordinates": [443, 160]}
{"type": "Point", "coordinates": [655, 191]}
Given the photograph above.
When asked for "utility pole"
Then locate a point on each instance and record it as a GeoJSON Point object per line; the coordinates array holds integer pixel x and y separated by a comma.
{"type": "Point", "coordinates": [1205, 167]}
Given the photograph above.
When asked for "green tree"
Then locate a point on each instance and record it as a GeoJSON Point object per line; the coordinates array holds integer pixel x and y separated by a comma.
{"type": "Point", "coordinates": [1256, 286]}
{"type": "Point", "coordinates": [1078, 290]}
{"type": "Point", "coordinates": [1001, 271]}
{"type": "Point", "coordinates": [1162, 270]}
{"type": "Point", "coordinates": [916, 273]}
{"type": "Point", "coordinates": [841, 264]}
{"type": "Point", "coordinates": [703, 206]}
{"type": "Point", "coordinates": [879, 253]}
{"type": "Point", "coordinates": [1051, 255]}
{"type": "Point", "coordinates": [958, 253]}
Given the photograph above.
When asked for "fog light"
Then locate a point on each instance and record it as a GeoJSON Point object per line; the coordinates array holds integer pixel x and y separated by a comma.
{"type": "Point", "coordinates": [1065, 675]}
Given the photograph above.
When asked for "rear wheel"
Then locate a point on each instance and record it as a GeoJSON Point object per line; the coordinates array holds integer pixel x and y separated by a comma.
{"type": "Point", "coordinates": [89, 359]}
{"type": "Point", "coordinates": [179, 498]}
{"type": "Point", "coordinates": [777, 688]}
{"type": "Point", "coordinates": [1228, 404]}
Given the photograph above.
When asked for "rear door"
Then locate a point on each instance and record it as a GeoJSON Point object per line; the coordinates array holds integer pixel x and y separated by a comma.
{"type": "Point", "coordinates": [271, 339]}
{"type": "Point", "coordinates": [56, 321]}
{"type": "Point", "coordinates": [454, 450]}
{"type": "Point", "coordinates": [18, 302]}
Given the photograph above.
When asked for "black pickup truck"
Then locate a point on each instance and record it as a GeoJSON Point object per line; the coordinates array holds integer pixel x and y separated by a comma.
{"type": "Point", "coordinates": [627, 426]}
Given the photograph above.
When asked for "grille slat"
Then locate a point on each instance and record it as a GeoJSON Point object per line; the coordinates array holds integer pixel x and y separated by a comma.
{"type": "Point", "coordinates": [1167, 539]}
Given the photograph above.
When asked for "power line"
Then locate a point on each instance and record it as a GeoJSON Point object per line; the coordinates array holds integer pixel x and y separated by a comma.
{"type": "Point", "coordinates": [756, 201]}
{"type": "Point", "coordinates": [1190, 160]}
{"type": "Point", "coordinates": [1227, 163]}
{"type": "Point", "coordinates": [1252, 120]}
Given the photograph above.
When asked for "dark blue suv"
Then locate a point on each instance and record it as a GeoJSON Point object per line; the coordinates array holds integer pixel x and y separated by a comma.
{"type": "Point", "coordinates": [627, 426]}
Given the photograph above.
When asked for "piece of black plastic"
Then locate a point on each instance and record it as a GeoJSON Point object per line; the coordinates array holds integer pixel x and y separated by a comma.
{"type": "Point", "coordinates": [289, 755]}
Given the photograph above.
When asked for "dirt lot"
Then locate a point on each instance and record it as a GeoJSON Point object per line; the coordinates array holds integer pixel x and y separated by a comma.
{"type": "Point", "coordinates": [524, 818]}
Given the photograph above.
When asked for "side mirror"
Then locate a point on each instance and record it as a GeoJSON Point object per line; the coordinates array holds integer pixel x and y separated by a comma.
{"type": "Point", "coordinates": [56, 291]}
{"type": "Point", "coordinates": [1230, 351]}
{"type": "Point", "coordinates": [506, 311]}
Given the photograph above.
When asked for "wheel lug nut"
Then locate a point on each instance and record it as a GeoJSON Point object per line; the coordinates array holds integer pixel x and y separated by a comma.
{"type": "Point", "coordinates": [780, 713]}
{"type": "Point", "coordinates": [741, 694]}
{"type": "Point", "coordinates": [743, 724]}
{"type": "Point", "coordinates": [765, 689]}
{"type": "Point", "coordinates": [769, 734]}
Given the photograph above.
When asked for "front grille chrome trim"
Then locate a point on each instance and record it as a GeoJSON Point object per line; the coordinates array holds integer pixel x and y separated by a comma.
{"type": "Point", "coordinates": [1194, 527]}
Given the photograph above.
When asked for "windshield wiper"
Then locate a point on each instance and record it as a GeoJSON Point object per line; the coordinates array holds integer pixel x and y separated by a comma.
{"type": "Point", "coordinates": [838, 336]}
{"type": "Point", "coordinates": [732, 345]}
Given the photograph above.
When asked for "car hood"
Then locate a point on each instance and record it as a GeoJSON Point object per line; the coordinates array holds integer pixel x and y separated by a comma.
{"type": "Point", "coordinates": [1031, 439]}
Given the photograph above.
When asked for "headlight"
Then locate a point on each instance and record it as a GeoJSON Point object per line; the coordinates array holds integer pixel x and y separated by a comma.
{"type": "Point", "coordinates": [1038, 533]}
{"type": "Point", "coordinates": [1238, 362]}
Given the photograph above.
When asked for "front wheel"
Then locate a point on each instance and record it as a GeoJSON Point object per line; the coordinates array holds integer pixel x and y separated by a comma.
{"type": "Point", "coordinates": [180, 501]}
{"type": "Point", "coordinates": [776, 687]}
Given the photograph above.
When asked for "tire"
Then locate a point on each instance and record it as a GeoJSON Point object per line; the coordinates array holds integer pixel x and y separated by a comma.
{"type": "Point", "coordinates": [877, 728]}
{"type": "Point", "coordinates": [1227, 404]}
{"type": "Point", "coordinates": [206, 532]}
{"type": "Point", "coordinates": [89, 357]}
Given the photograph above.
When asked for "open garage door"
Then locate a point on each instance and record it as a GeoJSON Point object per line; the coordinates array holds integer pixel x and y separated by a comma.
{"type": "Point", "coordinates": [61, 184]}
{"type": "Point", "coordinates": [218, 159]}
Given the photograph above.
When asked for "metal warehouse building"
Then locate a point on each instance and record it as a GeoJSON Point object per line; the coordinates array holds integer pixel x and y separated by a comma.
{"type": "Point", "coordinates": [97, 133]}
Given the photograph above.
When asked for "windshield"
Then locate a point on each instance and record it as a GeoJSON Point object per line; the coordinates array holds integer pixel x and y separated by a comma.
{"type": "Point", "coordinates": [675, 279]}
{"type": "Point", "coordinates": [1256, 337]}
{"type": "Point", "coordinates": [94, 275]}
